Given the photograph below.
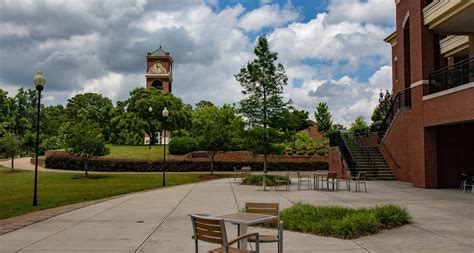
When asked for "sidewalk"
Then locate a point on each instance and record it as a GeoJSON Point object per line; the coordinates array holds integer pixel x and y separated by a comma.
{"type": "Point", "coordinates": [157, 221]}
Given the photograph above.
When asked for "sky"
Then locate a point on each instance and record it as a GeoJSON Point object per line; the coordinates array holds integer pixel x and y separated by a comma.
{"type": "Point", "coordinates": [333, 50]}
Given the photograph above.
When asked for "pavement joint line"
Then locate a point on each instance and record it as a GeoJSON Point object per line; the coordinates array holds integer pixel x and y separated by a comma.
{"type": "Point", "coordinates": [367, 250]}
{"type": "Point", "coordinates": [76, 223]}
{"type": "Point", "coordinates": [165, 218]}
{"type": "Point", "coordinates": [233, 193]}
{"type": "Point", "coordinates": [431, 232]}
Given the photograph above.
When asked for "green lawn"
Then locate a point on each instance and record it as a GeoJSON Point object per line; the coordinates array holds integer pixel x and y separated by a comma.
{"type": "Point", "coordinates": [58, 189]}
{"type": "Point", "coordinates": [136, 152]}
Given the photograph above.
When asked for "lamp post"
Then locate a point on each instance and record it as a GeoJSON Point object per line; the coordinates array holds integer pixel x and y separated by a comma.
{"type": "Point", "coordinates": [39, 83]}
{"type": "Point", "coordinates": [165, 113]}
{"type": "Point", "coordinates": [150, 110]}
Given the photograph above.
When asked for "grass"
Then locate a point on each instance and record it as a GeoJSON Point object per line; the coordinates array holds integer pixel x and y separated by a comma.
{"type": "Point", "coordinates": [58, 189]}
{"type": "Point", "coordinates": [341, 222]}
{"type": "Point", "coordinates": [258, 180]}
{"type": "Point", "coordinates": [140, 152]}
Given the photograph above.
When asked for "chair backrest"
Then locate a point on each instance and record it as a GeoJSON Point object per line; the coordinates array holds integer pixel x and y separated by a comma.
{"type": "Point", "coordinates": [288, 174]}
{"type": "Point", "coordinates": [299, 174]}
{"type": "Point", "coordinates": [263, 208]}
{"type": "Point", "coordinates": [209, 229]}
{"type": "Point", "coordinates": [332, 175]}
{"type": "Point", "coordinates": [348, 175]}
{"type": "Point", "coordinates": [361, 176]}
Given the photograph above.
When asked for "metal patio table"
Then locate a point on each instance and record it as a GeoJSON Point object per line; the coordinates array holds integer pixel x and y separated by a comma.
{"type": "Point", "coordinates": [244, 220]}
{"type": "Point", "coordinates": [317, 175]}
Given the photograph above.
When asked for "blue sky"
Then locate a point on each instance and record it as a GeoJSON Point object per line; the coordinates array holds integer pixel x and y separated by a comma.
{"type": "Point", "coordinates": [333, 51]}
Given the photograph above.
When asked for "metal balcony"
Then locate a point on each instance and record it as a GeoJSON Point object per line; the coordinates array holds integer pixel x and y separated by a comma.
{"type": "Point", "coordinates": [452, 76]}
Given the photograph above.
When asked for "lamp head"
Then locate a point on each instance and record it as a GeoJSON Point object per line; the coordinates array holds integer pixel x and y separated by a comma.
{"type": "Point", "coordinates": [165, 113]}
{"type": "Point", "coordinates": [39, 80]}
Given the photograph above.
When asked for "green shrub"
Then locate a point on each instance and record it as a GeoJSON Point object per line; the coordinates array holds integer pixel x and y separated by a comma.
{"type": "Point", "coordinates": [182, 145]}
{"type": "Point", "coordinates": [62, 160]}
{"type": "Point", "coordinates": [343, 222]}
{"type": "Point", "coordinates": [258, 180]}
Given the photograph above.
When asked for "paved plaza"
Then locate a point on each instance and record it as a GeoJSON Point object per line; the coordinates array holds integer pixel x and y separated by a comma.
{"type": "Point", "coordinates": [157, 220]}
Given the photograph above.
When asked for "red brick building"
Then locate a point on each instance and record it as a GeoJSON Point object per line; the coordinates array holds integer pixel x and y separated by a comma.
{"type": "Point", "coordinates": [159, 75]}
{"type": "Point", "coordinates": [428, 136]}
{"type": "Point", "coordinates": [313, 132]}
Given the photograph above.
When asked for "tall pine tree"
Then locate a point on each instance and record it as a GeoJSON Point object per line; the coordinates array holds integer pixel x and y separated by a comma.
{"type": "Point", "coordinates": [262, 81]}
{"type": "Point", "coordinates": [385, 100]}
{"type": "Point", "coordinates": [323, 118]}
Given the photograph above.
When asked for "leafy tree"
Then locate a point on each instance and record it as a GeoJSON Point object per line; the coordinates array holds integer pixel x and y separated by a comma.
{"type": "Point", "coordinates": [215, 128]}
{"type": "Point", "coordinates": [338, 127]}
{"type": "Point", "coordinates": [52, 117]}
{"type": "Point", "coordinates": [263, 81]}
{"type": "Point", "coordinates": [91, 107]}
{"type": "Point", "coordinates": [385, 100]}
{"type": "Point", "coordinates": [7, 121]}
{"type": "Point", "coordinates": [359, 126]}
{"type": "Point", "coordinates": [10, 145]}
{"type": "Point", "coordinates": [126, 127]}
{"type": "Point", "coordinates": [85, 140]}
{"type": "Point", "coordinates": [203, 103]}
{"type": "Point", "coordinates": [152, 122]}
{"type": "Point", "coordinates": [292, 121]}
{"type": "Point", "coordinates": [323, 118]}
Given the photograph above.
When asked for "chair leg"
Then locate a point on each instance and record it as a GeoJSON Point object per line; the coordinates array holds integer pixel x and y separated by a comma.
{"type": "Point", "coordinates": [365, 187]}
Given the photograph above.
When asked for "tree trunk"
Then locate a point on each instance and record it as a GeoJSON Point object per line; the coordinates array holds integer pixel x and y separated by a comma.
{"type": "Point", "coordinates": [85, 167]}
{"type": "Point", "coordinates": [265, 138]}
{"type": "Point", "coordinates": [13, 164]}
{"type": "Point", "coordinates": [212, 163]}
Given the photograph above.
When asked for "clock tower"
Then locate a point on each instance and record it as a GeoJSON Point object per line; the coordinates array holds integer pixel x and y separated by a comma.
{"type": "Point", "coordinates": [159, 70]}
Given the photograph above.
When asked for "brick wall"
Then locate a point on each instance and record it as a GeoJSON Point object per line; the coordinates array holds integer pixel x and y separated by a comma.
{"type": "Point", "coordinates": [335, 161]}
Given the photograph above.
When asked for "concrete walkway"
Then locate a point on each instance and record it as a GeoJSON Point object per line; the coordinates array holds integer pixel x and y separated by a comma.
{"type": "Point", "coordinates": [157, 221]}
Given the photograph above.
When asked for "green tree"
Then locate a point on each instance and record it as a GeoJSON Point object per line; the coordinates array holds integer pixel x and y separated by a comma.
{"type": "Point", "coordinates": [10, 146]}
{"type": "Point", "coordinates": [7, 121]}
{"type": "Point", "coordinates": [359, 126]}
{"type": "Point", "coordinates": [142, 99]}
{"type": "Point", "coordinates": [203, 103]}
{"type": "Point", "coordinates": [126, 127]}
{"type": "Point", "coordinates": [52, 117]}
{"type": "Point", "coordinates": [338, 127]}
{"type": "Point", "coordinates": [215, 128]}
{"type": "Point", "coordinates": [263, 81]}
{"type": "Point", "coordinates": [85, 140]}
{"type": "Point", "coordinates": [292, 121]}
{"type": "Point", "coordinates": [91, 107]}
{"type": "Point", "coordinates": [385, 100]}
{"type": "Point", "coordinates": [323, 118]}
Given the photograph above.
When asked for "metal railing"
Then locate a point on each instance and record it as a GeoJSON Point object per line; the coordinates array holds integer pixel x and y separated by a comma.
{"type": "Point", "coordinates": [452, 76]}
{"type": "Point", "coordinates": [337, 139]}
{"type": "Point", "coordinates": [401, 100]}
{"type": "Point", "coordinates": [366, 152]}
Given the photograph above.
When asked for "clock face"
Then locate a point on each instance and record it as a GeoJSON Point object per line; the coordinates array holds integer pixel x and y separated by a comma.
{"type": "Point", "coordinates": [157, 68]}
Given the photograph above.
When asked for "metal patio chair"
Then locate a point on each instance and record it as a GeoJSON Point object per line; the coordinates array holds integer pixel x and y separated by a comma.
{"type": "Point", "coordinates": [303, 179]}
{"type": "Point", "coordinates": [212, 230]}
{"type": "Point", "coordinates": [269, 209]}
{"type": "Point", "coordinates": [283, 181]}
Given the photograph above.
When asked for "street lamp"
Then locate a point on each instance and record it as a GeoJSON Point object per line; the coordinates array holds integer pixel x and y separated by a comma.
{"type": "Point", "coordinates": [165, 113]}
{"type": "Point", "coordinates": [39, 83]}
{"type": "Point", "coordinates": [150, 110]}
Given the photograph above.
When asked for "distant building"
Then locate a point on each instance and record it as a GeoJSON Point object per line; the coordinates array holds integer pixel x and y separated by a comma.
{"type": "Point", "coordinates": [313, 132]}
{"type": "Point", "coordinates": [428, 136]}
{"type": "Point", "coordinates": [159, 75]}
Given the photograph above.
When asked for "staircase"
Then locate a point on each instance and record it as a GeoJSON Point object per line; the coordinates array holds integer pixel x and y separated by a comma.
{"type": "Point", "coordinates": [370, 160]}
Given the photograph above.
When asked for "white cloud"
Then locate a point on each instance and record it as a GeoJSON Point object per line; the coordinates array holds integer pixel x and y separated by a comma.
{"type": "Point", "coordinates": [105, 54]}
{"type": "Point", "coordinates": [346, 97]}
{"type": "Point", "coordinates": [267, 16]}
{"type": "Point", "coordinates": [374, 11]}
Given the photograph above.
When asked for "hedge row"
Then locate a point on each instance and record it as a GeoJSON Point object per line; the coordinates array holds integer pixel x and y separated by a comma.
{"type": "Point", "coordinates": [119, 165]}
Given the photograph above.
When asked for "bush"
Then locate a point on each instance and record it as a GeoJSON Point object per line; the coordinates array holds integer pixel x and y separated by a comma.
{"type": "Point", "coordinates": [62, 160]}
{"type": "Point", "coordinates": [183, 145]}
{"type": "Point", "coordinates": [343, 222]}
{"type": "Point", "coordinates": [258, 180]}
